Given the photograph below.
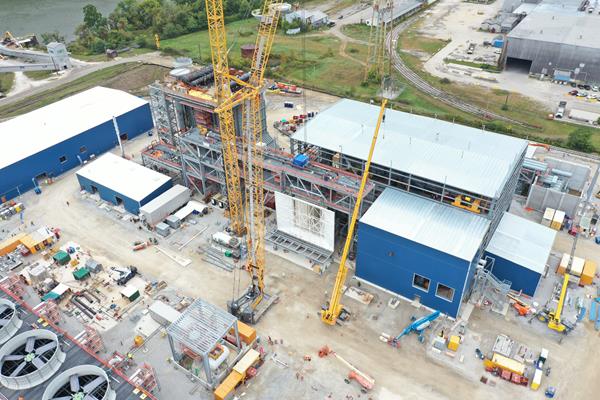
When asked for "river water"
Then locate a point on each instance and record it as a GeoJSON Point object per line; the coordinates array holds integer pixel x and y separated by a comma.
{"type": "Point", "coordinates": [22, 17]}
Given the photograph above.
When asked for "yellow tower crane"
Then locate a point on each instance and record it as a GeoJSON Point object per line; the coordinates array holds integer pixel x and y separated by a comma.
{"type": "Point", "coordinates": [332, 312]}
{"type": "Point", "coordinates": [254, 302]}
{"type": "Point", "coordinates": [218, 49]}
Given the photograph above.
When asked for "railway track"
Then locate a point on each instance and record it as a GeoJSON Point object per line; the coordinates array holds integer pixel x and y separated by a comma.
{"type": "Point", "coordinates": [415, 80]}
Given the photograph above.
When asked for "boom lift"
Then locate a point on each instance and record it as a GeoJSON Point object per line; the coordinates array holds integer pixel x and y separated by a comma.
{"type": "Point", "coordinates": [332, 312]}
{"type": "Point", "coordinates": [246, 307]}
{"type": "Point", "coordinates": [554, 317]}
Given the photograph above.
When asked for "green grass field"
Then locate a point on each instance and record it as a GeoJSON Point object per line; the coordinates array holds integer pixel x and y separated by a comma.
{"type": "Point", "coordinates": [132, 77]}
{"type": "Point", "coordinates": [7, 80]}
{"type": "Point", "coordinates": [38, 75]}
{"type": "Point", "coordinates": [311, 60]}
{"type": "Point", "coordinates": [102, 57]}
{"type": "Point", "coordinates": [357, 31]}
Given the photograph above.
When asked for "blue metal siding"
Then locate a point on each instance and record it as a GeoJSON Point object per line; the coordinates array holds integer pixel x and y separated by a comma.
{"type": "Point", "coordinates": [109, 195]}
{"type": "Point", "coordinates": [521, 278]}
{"type": "Point", "coordinates": [18, 177]}
{"type": "Point", "coordinates": [390, 261]}
{"type": "Point", "coordinates": [156, 193]}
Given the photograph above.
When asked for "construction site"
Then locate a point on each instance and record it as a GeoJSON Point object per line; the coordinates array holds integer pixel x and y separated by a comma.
{"type": "Point", "coordinates": [236, 237]}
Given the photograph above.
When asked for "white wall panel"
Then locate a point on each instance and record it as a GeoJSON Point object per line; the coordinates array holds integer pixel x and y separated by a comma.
{"type": "Point", "coordinates": [305, 221]}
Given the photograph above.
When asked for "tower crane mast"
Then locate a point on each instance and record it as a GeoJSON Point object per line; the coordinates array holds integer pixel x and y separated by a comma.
{"type": "Point", "coordinates": [218, 49]}
{"type": "Point", "coordinates": [250, 306]}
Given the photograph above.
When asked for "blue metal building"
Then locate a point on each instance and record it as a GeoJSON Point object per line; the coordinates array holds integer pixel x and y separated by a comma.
{"type": "Point", "coordinates": [122, 182]}
{"type": "Point", "coordinates": [418, 248]}
{"type": "Point", "coordinates": [49, 141]}
{"type": "Point", "coordinates": [520, 249]}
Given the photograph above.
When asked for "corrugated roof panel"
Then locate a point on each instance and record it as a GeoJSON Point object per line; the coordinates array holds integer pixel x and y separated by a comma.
{"type": "Point", "coordinates": [524, 242]}
{"type": "Point", "coordinates": [463, 157]}
{"type": "Point", "coordinates": [123, 176]}
{"type": "Point", "coordinates": [438, 226]}
{"type": "Point", "coordinates": [37, 130]}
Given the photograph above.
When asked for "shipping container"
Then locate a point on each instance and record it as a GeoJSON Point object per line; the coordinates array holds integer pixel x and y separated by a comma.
{"type": "Point", "coordinates": [588, 274]}
{"type": "Point", "coordinates": [168, 202]}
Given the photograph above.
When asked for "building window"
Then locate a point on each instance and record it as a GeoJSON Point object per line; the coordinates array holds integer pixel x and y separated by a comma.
{"type": "Point", "coordinates": [62, 159]}
{"type": "Point", "coordinates": [82, 149]}
{"type": "Point", "coordinates": [420, 282]}
{"type": "Point", "coordinates": [444, 292]}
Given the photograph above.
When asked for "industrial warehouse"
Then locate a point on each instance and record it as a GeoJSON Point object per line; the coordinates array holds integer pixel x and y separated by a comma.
{"type": "Point", "coordinates": [557, 39]}
{"type": "Point", "coordinates": [227, 236]}
{"type": "Point", "coordinates": [54, 139]}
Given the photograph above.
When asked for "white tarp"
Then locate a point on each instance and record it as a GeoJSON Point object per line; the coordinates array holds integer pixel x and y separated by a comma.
{"type": "Point", "coordinates": [189, 208]}
{"type": "Point", "coordinates": [305, 221]}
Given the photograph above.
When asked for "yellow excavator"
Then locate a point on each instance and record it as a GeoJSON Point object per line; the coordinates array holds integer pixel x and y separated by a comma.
{"type": "Point", "coordinates": [335, 310]}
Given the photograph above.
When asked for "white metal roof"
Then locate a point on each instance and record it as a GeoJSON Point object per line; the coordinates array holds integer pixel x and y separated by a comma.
{"type": "Point", "coordinates": [438, 226]}
{"type": "Point", "coordinates": [37, 130]}
{"type": "Point", "coordinates": [123, 176]}
{"type": "Point", "coordinates": [523, 242]}
{"type": "Point", "coordinates": [467, 158]}
{"type": "Point", "coordinates": [559, 21]}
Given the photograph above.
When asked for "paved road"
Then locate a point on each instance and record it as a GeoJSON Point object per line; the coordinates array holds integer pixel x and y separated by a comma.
{"type": "Point", "coordinates": [425, 87]}
{"type": "Point", "coordinates": [81, 69]}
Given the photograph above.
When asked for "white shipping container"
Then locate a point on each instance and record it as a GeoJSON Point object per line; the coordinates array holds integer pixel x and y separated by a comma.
{"type": "Point", "coordinates": [224, 239]}
{"type": "Point", "coordinates": [163, 313]}
{"type": "Point", "coordinates": [165, 204]}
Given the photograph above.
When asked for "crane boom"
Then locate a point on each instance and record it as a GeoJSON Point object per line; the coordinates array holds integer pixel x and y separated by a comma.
{"type": "Point", "coordinates": [331, 314]}
{"type": "Point", "coordinates": [218, 49]}
{"type": "Point", "coordinates": [253, 130]}
{"type": "Point", "coordinates": [250, 97]}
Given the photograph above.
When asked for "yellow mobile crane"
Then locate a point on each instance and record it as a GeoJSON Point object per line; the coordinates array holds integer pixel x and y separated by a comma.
{"type": "Point", "coordinates": [250, 306]}
{"type": "Point", "coordinates": [334, 309]}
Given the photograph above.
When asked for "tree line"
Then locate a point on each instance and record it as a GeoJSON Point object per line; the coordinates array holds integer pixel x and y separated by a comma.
{"type": "Point", "coordinates": [136, 22]}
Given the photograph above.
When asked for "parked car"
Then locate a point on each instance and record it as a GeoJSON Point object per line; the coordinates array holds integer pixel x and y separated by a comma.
{"type": "Point", "coordinates": [573, 84]}
{"type": "Point", "coordinates": [573, 92]}
{"type": "Point", "coordinates": [587, 87]}
{"type": "Point", "coordinates": [582, 94]}
{"type": "Point", "coordinates": [594, 88]}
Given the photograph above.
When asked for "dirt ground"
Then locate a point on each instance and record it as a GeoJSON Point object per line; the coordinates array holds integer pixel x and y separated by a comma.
{"type": "Point", "coordinates": [460, 21]}
{"type": "Point", "coordinates": [400, 374]}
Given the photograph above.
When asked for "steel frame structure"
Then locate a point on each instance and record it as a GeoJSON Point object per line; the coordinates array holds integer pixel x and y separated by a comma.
{"type": "Point", "coordinates": [200, 329]}
{"type": "Point", "coordinates": [196, 158]}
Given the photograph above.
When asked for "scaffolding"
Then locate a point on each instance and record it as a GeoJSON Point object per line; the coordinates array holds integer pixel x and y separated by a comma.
{"type": "Point", "coordinates": [12, 284]}
{"type": "Point", "coordinates": [205, 341]}
{"type": "Point", "coordinates": [145, 377]}
{"type": "Point", "coordinates": [90, 339]}
{"type": "Point", "coordinates": [49, 311]}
